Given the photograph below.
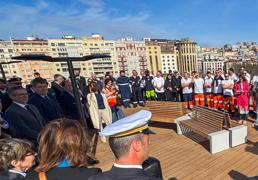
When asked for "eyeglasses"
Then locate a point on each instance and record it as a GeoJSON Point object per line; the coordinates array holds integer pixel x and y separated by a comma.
{"type": "Point", "coordinates": [22, 94]}
{"type": "Point", "coordinates": [31, 154]}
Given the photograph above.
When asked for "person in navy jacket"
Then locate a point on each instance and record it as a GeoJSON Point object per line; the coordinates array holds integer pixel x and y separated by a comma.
{"type": "Point", "coordinates": [135, 82]}
{"type": "Point", "coordinates": [47, 105]}
{"type": "Point", "coordinates": [124, 89]}
{"type": "Point", "coordinates": [67, 101]}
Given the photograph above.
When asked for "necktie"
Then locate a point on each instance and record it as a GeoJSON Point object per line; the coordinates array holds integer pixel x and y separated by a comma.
{"type": "Point", "coordinates": [46, 98]}
{"type": "Point", "coordinates": [30, 110]}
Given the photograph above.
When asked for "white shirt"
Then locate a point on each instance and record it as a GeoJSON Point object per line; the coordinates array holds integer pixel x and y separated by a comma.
{"type": "Point", "coordinates": [198, 85]}
{"type": "Point", "coordinates": [128, 166]}
{"type": "Point", "coordinates": [248, 77]}
{"type": "Point", "coordinates": [21, 105]}
{"type": "Point", "coordinates": [18, 172]}
{"type": "Point", "coordinates": [159, 82]}
{"type": "Point", "coordinates": [233, 77]}
{"type": "Point", "coordinates": [208, 81]}
{"type": "Point", "coordinates": [228, 92]}
{"type": "Point", "coordinates": [206, 77]}
{"type": "Point", "coordinates": [255, 79]}
{"type": "Point", "coordinates": [187, 90]}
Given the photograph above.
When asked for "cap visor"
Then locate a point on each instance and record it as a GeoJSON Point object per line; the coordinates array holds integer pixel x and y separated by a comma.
{"type": "Point", "coordinates": [148, 131]}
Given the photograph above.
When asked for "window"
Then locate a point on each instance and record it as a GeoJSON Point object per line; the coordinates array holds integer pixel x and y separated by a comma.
{"type": "Point", "coordinates": [52, 44]}
{"type": "Point", "coordinates": [10, 50]}
{"type": "Point", "coordinates": [58, 69]}
{"type": "Point", "coordinates": [61, 44]}
{"type": "Point", "coordinates": [1, 50]}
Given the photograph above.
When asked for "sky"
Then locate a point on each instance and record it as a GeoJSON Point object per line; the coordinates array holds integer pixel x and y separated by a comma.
{"type": "Point", "coordinates": [207, 22]}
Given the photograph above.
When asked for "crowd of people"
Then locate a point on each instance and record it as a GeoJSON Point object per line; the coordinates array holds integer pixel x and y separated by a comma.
{"type": "Point", "coordinates": [46, 115]}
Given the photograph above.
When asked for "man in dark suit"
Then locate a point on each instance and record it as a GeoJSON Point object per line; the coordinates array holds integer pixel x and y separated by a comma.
{"type": "Point", "coordinates": [56, 85]}
{"type": "Point", "coordinates": [67, 101]}
{"type": "Point", "coordinates": [130, 143]}
{"type": "Point", "coordinates": [25, 120]}
{"type": "Point", "coordinates": [29, 87]}
{"type": "Point", "coordinates": [81, 82]}
{"type": "Point", "coordinates": [47, 105]}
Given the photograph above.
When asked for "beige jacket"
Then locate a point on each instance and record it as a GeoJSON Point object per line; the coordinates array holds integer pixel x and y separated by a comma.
{"type": "Point", "coordinates": [94, 111]}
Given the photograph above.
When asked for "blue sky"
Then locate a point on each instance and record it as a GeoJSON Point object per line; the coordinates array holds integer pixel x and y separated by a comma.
{"type": "Point", "coordinates": [208, 22]}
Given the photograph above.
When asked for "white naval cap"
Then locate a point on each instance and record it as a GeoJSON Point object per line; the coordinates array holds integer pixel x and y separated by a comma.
{"type": "Point", "coordinates": [133, 124]}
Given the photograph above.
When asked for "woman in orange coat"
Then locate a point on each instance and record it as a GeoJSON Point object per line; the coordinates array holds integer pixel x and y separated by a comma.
{"type": "Point", "coordinates": [111, 95]}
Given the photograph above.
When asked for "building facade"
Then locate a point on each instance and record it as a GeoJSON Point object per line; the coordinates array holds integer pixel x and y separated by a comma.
{"type": "Point", "coordinates": [68, 46]}
{"type": "Point", "coordinates": [26, 69]}
{"type": "Point", "coordinates": [96, 44]}
{"type": "Point", "coordinates": [131, 55]}
{"type": "Point", "coordinates": [186, 56]}
{"type": "Point", "coordinates": [153, 53]}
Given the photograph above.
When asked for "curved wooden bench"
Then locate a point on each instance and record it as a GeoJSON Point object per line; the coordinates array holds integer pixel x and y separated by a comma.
{"type": "Point", "coordinates": [162, 111]}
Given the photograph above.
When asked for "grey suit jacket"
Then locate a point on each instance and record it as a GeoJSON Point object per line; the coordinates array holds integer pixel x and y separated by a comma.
{"type": "Point", "coordinates": [23, 123]}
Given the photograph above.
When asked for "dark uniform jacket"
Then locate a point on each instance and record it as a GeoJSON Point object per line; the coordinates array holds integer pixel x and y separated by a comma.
{"type": "Point", "coordinates": [57, 89]}
{"type": "Point", "coordinates": [66, 173]}
{"type": "Point", "coordinates": [67, 102]}
{"type": "Point", "coordinates": [135, 81]}
{"type": "Point", "coordinates": [10, 176]}
{"type": "Point", "coordinates": [123, 174]}
{"type": "Point", "coordinates": [48, 108]}
{"type": "Point", "coordinates": [81, 81]}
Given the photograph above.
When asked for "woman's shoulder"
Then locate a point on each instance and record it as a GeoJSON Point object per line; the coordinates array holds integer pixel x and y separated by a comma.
{"type": "Point", "coordinates": [66, 173]}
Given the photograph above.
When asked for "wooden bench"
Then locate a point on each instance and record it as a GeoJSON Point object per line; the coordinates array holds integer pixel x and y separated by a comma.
{"type": "Point", "coordinates": [205, 121]}
{"type": "Point", "coordinates": [162, 111]}
{"type": "Point", "coordinates": [210, 124]}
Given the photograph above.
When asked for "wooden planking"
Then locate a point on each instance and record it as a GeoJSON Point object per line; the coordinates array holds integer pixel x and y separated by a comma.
{"type": "Point", "coordinates": [161, 111]}
{"type": "Point", "coordinates": [184, 158]}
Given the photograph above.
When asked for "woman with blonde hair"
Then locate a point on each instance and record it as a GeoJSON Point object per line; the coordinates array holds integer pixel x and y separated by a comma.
{"type": "Point", "coordinates": [63, 148]}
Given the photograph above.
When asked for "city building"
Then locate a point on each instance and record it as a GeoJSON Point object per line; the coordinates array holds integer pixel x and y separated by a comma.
{"type": "Point", "coordinates": [96, 44]}
{"type": "Point", "coordinates": [131, 55]}
{"type": "Point", "coordinates": [211, 65]}
{"type": "Point", "coordinates": [26, 69]}
{"type": "Point", "coordinates": [153, 54]}
{"type": "Point", "coordinates": [168, 56]}
{"type": "Point", "coordinates": [6, 52]}
{"type": "Point", "coordinates": [186, 55]}
{"type": "Point", "coordinates": [68, 46]}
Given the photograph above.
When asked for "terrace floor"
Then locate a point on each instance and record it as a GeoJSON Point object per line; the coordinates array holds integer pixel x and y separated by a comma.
{"type": "Point", "coordinates": [183, 157]}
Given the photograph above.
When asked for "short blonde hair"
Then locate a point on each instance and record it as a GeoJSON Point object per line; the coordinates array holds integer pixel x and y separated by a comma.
{"type": "Point", "coordinates": [13, 149]}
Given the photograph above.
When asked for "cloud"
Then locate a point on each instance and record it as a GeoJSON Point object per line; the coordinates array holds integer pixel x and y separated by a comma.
{"type": "Point", "coordinates": [80, 17]}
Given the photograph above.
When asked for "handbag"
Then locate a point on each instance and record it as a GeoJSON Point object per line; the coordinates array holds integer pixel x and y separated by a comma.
{"type": "Point", "coordinates": [42, 176]}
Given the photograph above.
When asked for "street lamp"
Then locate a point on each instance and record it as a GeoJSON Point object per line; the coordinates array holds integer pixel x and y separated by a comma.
{"type": "Point", "coordinates": [2, 69]}
{"type": "Point", "coordinates": [69, 60]}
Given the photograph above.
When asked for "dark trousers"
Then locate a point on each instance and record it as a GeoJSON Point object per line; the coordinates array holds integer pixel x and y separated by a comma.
{"type": "Point", "coordinates": [169, 95]}
{"type": "Point", "coordinates": [176, 96]}
{"type": "Point", "coordinates": [160, 96]}
{"type": "Point", "coordinates": [137, 95]}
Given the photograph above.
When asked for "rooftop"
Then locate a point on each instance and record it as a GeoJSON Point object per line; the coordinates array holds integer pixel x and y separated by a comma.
{"type": "Point", "coordinates": [182, 157]}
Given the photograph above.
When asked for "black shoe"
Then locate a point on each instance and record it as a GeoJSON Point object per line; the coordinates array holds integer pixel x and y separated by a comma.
{"type": "Point", "coordinates": [135, 105]}
{"type": "Point", "coordinates": [142, 104]}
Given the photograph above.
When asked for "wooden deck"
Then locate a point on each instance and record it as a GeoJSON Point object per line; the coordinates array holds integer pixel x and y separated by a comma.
{"type": "Point", "coordinates": [188, 158]}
